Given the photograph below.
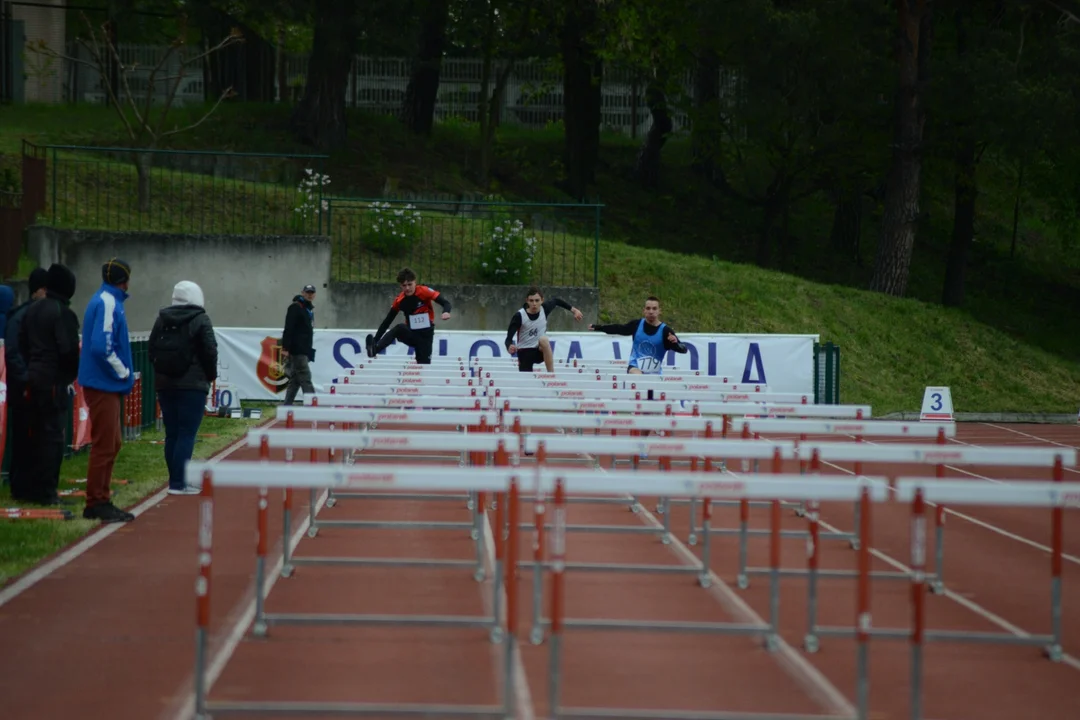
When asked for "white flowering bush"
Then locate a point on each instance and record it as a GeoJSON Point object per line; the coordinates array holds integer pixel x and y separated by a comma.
{"type": "Point", "coordinates": [389, 230]}
{"type": "Point", "coordinates": [506, 256]}
{"type": "Point", "coordinates": [309, 201]}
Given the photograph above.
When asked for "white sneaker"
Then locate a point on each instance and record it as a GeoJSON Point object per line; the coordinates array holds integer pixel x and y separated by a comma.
{"type": "Point", "coordinates": [186, 491]}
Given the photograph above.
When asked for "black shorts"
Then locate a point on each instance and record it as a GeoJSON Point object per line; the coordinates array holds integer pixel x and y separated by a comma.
{"type": "Point", "coordinates": [527, 357]}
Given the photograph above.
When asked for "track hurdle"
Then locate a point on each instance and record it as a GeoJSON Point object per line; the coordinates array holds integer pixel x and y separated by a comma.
{"type": "Point", "coordinates": [262, 475]}
{"type": "Point", "coordinates": [463, 421]}
{"type": "Point", "coordinates": [801, 428]}
{"type": "Point", "coordinates": [427, 402]}
{"type": "Point", "coordinates": [705, 448]}
{"type": "Point", "coordinates": [765, 487]}
{"type": "Point", "coordinates": [1054, 458]}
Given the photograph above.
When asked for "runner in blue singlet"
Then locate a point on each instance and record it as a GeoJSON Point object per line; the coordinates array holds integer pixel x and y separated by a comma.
{"type": "Point", "coordinates": [651, 339]}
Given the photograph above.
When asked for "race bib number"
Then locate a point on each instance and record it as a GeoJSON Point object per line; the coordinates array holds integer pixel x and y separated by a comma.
{"type": "Point", "coordinates": [649, 365]}
{"type": "Point", "coordinates": [420, 321]}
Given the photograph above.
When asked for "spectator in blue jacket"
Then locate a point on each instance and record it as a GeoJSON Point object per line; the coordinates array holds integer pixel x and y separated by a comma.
{"type": "Point", "coordinates": [105, 374]}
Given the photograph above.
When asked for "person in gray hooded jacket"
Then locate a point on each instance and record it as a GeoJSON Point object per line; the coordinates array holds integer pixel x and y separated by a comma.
{"type": "Point", "coordinates": [183, 350]}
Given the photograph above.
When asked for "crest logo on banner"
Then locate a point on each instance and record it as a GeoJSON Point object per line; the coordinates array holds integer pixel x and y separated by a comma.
{"type": "Point", "coordinates": [269, 368]}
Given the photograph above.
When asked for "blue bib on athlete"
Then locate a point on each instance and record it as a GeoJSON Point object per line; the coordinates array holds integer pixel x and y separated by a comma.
{"type": "Point", "coordinates": [648, 351]}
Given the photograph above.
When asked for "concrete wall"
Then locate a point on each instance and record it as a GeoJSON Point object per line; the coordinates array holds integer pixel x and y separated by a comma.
{"type": "Point", "coordinates": [249, 280]}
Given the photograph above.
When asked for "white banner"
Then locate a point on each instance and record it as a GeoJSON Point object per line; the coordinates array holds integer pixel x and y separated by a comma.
{"type": "Point", "coordinates": [249, 358]}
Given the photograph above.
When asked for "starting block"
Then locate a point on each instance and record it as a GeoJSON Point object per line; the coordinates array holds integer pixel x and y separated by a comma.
{"type": "Point", "coordinates": [936, 405]}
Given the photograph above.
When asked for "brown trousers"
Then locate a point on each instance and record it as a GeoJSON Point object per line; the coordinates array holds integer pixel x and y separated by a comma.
{"type": "Point", "coordinates": [105, 442]}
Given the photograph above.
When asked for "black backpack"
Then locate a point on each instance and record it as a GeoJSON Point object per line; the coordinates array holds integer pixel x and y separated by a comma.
{"type": "Point", "coordinates": [173, 353]}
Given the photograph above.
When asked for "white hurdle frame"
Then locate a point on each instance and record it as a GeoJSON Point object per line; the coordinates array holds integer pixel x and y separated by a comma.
{"type": "Point", "coordinates": [262, 475]}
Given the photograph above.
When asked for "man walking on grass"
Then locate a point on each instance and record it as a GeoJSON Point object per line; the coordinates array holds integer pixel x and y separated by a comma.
{"type": "Point", "coordinates": [106, 377]}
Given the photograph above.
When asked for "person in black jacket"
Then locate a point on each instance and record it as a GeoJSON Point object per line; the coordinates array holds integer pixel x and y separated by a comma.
{"type": "Point", "coordinates": [49, 344]}
{"type": "Point", "coordinates": [183, 351]}
{"type": "Point", "coordinates": [298, 343]}
{"type": "Point", "coordinates": [18, 411]}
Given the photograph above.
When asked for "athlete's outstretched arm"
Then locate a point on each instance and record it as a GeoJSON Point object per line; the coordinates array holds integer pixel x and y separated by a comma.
{"type": "Point", "coordinates": [672, 342]}
{"type": "Point", "coordinates": [626, 329]}
{"type": "Point", "coordinates": [550, 305]}
{"type": "Point", "coordinates": [515, 323]}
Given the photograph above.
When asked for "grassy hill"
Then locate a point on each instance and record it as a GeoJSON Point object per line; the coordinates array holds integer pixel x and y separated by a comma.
{"type": "Point", "coordinates": [1013, 347]}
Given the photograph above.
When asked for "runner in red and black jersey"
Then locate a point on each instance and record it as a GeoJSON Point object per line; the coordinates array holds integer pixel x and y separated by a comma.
{"type": "Point", "coordinates": [418, 330]}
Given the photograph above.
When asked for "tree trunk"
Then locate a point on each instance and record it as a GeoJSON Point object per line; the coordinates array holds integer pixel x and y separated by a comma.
{"type": "Point", "coordinates": [647, 170]}
{"type": "Point", "coordinates": [418, 109]}
{"type": "Point", "coordinates": [705, 133]}
{"type": "Point", "coordinates": [582, 71]}
{"type": "Point", "coordinates": [965, 182]}
{"type": "Point", "coordinates": [319, 118]}
{"type": "Point", "coordinates": [143, 162]}
{"type": "Point", "coordinates": [901, 213]}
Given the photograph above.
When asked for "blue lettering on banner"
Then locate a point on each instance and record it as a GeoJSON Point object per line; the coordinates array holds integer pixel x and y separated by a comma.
{"type": "Point", "coordinates": [712, 359]}
{"type": "Point", "coordinates": [616, 349]}
{"type": "Point", "coordinates": [442, 347]}
{"type": "Point", "coordinates": [337, 351]}
{"type": "Point", "coordinates": [689, 349]}
{"type": "Point", "coordinates": [575, 350]}
{"type": "Point", "coordinates": [753, 357]}
{"type": "Point", "coordinates": [484, 343]}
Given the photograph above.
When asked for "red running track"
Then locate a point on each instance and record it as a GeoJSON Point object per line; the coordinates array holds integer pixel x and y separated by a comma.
{"type": "Point", "coordinates": [127, 604]}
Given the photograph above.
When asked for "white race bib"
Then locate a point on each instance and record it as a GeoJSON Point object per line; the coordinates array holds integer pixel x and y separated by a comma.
{"type": "Point", "coordinates": [420, 321]}
{"type": "Point", "coordinates": [649, 365]}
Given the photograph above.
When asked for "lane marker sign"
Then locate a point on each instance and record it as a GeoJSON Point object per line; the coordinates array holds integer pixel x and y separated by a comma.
{"type": "Point", "coordinates": [936, 405]}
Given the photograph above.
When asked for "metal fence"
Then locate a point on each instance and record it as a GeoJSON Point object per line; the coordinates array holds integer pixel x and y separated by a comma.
{"type": "Point", "coordinates": [490, 241]}
{"type": "Point", "coordinates": [827, 374]}
{"type": "Point", "coordinates": [179, 191]}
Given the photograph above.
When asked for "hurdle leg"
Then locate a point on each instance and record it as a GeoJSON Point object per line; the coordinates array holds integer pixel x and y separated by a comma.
{"type": "Point", "coordinates": [477, 531]}
{"type": "Point", "coordinates": [665, 466]}
{"type": "Point", "coordinates": [286, 545]}
{"type": "Point", "coordinates": [202, 593]}
{"type": "Point", "coordinates": [1054, 652]}
{"type": "Point", "coordinates": [259, 627]}
{"type": "Point", "coordinates": [497, 585]}
{"type": "Point", "coordinates": [511, 599]}
{"type": "Point", "coordinates": [937, 583]}
{"type": "Point", "coordinates": [558, 566]}
{"type": "Point", "coordinates": [771, 640]}
{"type": "Point", "coordinates": [706, 543]}
{"type": "Point", "coordinates": [810, 642]}
{"type": "Point", "coordinates": [743, 578]}
{"type": "Point", "coordinates": [536, 633]}
{"type": "Point", "coordinates": [313, 527]}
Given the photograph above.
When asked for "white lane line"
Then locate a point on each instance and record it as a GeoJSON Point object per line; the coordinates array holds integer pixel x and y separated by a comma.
{"type": "Point", "coordinates": [238, 620]}
{"type": "Point", "coordinates": [1035, 437]}
{"type": "Point", "coordinates": [80, 548]}
{"type": "Point", "coordinates": [813, 682]}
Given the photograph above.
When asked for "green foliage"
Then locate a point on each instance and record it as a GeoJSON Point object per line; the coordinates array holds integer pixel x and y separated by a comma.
{"type": "Point", "coordinates": [390, 230]}
{"type": "Point", "coordinates": [506, 255]}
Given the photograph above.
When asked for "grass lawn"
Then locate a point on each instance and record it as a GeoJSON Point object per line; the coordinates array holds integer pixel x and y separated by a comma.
{"type": "Point", "coordinates": [25, 543]}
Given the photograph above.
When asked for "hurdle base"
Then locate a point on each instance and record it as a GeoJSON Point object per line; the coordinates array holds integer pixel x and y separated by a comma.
{"type": "Point", "coordinates": [624, 568]}
{"type": "Point", "coordinates": [394, 525]}
{"type": "Point", "coordinates": [345, 708]}
{"type": "Point", "coordinates": [383, 562]}
{"type": "Point", "coordinates": [456, 621]}
{"type": "Point", "coordinates": [584, 713]}
{"type": "Point", "coordinates": [830, 574]}
{"type": "Point", "coordinates": [666, 626]}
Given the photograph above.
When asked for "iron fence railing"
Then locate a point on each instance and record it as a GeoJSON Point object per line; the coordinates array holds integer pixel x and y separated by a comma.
{"type": "Point", "coordinates": [180, 191]}
{"type": "Point", "coordinates": [491, 241]}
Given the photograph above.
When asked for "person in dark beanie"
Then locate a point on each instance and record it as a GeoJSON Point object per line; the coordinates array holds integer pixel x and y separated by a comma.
{"type": "Point", "coordinates": [298, 343]}
{"type": "Point", "coordinates": [183, 350]}
{"type": "Point", "coordinates": [106, 376]}
{"type": "Point", "coordinates": [49, 345]}
{"type": "Point", "coordinates": [18, 411]}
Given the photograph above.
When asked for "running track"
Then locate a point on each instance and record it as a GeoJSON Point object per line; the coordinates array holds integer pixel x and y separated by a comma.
{"type": "Point", "coordinates": [109, 631]}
